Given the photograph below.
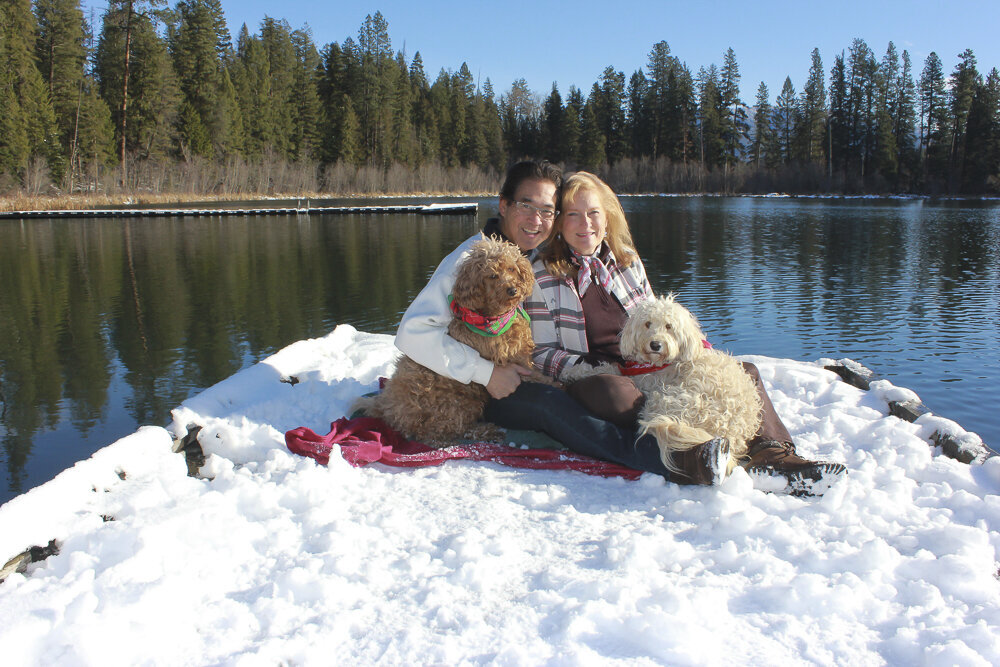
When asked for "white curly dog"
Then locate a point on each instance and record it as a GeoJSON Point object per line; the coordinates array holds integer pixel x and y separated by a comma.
{"type": "Point", "coordinates": [693, 393]}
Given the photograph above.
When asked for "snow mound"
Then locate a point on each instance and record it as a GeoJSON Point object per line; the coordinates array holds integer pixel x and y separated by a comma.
{"type": "Point", "coordinates": [272, 558]}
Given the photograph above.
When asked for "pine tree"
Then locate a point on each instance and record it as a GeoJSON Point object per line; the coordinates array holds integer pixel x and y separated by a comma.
{"type": "Point", "coordinates": [137, 81]}
{"type": "Point", "coordinates": [450, 131]}
{"type": "Point", "coordinates": [839, 139]}
{"type": "Point", "coordinates": [492, 130]}
{"type": "Point", "coordinates": [331, 90]}
{"type": "Point", "coordinates": [252, 84]}
{"type": "Point", "coordinates": [128, 30]}
{"type": "Point", "coordinates": [981, 171]}
{"type": "Point", "coordinates": [279, 50]}
{"type": "Point", "coordinates": [861, 97]}
{"type": "Point", "coordinates": [886, 152]}
{"type": "Point", "coordinates": [660, 67]}
{"type": "Point", "coordinates": [350, 149]}
{"type": "Point", "coordinates": [26, 103]}
{"type": "Point", "coordinates": [885, 155]}
{"type": "Point", "coordinates": [933, 119]}
{"type": "Point", "coordinates": [519, 113]}
{"type": "Point", "coordinates": [762, 134]}
{"type": "Point", "coordinates": [964, 81]}
{"type": "Point", "coordinates": [638, 119]}
{"type": "Point", "coordinates": [231, 116]}
{"type": "Point", "coordinates": [813, 114]}
{"type": "Point", "coordinates": [472, 148]}
{"type": "Point", "coordinates": [62, 53]}
{"type": "Point", "coordinates": [200, 46]}
{"type": "Point", "coordinates": [14, 148]}
{"type": "Point", "coordinates": [194, 136]}
{"type": "Point", "coordinates": [553, 119]}
{"type": "Point", "coordinates": [711, 115]}
{"type": "Point", "coordinates": [306, 136]}
{"type": "Point", "coordinates": [682, 114]}
{"type": "Point", "coordinates": [96, 133]}
{"type": "Point", "coordinates": [424, 117]}
{"type": "Point", "coordinates": [608, 98]}
{"type": "Point", "coordinates": [783, 121]}
{"type": "Point", "coordinates": [572, 129]}
{"type": "Point", "coordinates": [592, 152]}
{"type": "Point", "coordinates": [904, 123]}
{"type": "Point", "coordinates": [734, 126]}
{"type": "Point", "coordinates": [418, 79]}
{"type": "Point", "coordinates": [375, 56]}
{"type": "Point", "coordinates": [403, 147]}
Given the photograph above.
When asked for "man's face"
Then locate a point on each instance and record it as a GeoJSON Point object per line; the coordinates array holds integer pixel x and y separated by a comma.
{"type": "Point", "coordinates": [527, 220]}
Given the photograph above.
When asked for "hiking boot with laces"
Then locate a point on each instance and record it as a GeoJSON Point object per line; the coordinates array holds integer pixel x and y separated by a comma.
{"type": "Point", "coordinates": [706, 464]}
{"type": "Point", "coordinates": [776, 464]}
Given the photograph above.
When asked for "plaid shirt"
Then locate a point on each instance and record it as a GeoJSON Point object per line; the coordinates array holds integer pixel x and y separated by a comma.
{"type": "Point", "coordinates": [557, 322]}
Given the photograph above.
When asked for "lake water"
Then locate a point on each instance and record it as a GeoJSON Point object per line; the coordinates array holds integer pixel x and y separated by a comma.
{"type": "Point", "coordinates": [108, 324]}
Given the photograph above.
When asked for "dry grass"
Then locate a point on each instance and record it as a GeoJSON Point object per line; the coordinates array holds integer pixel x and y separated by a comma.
{"type": "Point", "coordinates": [22, 202]}
{"type": "Point", "coordinates": [163, 183]}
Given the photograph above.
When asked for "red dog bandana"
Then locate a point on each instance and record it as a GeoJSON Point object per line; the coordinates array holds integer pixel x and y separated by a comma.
{"type": "Point", "coordinates": [630, 368]}
{"type": "Point", "coordinates": [483, 325]}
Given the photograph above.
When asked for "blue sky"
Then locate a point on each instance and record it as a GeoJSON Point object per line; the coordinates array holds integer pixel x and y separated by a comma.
{"type": "Point", "coordinates": [545, 41]}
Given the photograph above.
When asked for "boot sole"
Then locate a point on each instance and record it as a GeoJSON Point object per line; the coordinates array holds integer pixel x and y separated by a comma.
{"type": "Point", "coordinates": [719, 456]}
{"type": "Point", "coordinates": [811, 480]}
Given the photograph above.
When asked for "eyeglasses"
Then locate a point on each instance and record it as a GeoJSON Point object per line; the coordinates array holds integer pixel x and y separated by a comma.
{"type": "Point", "coordinates": [524, 208]}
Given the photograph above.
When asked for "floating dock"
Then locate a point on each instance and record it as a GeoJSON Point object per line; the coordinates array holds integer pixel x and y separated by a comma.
{"type": "Point", "coordinates": [456, 208]}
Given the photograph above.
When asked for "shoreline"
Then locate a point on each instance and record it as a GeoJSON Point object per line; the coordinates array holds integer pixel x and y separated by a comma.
{"type": "Point", "coordinates": [18, 204]}
{"type": "Point", "coordinates": [26, 203]}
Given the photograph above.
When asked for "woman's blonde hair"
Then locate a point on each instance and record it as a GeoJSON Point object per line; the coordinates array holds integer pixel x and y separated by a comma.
{"type": "Point", "coordinates": [556, 254]}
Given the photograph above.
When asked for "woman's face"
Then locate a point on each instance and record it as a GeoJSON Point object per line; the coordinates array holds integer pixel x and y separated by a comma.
{"type": "Point", "coordinates": [584, 224]}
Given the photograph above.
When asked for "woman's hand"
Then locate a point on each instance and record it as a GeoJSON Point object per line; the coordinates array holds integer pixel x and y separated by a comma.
{"type": "Point", "coordinates": [505, 379]}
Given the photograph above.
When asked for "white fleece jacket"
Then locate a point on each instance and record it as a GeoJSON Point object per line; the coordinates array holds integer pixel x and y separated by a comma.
{"type": "Point", "coordinates": [423, 331]}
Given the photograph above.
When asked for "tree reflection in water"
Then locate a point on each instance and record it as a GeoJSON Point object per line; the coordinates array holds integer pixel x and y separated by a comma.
{"type": "Point", "coordinates": [108, 324]}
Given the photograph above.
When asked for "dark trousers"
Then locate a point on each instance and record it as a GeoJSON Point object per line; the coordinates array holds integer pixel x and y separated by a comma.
{"type": "Point", "coordinates": [540, 407]}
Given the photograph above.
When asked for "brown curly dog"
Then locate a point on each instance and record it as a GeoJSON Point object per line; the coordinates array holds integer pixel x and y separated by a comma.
{"type": "Point", "coordinates": [489, 288]}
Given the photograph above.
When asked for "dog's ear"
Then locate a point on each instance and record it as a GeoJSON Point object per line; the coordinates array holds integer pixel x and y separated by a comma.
{"type": "Point", "coordinates": [469, 278]}
{"type": "Point", "coordinates": [690, 336]}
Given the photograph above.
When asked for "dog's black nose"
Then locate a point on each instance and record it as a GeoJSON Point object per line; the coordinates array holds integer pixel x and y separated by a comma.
{"type": "Point", "coordinates": [655, 345]}
{"type": "Point", "coordinates": [511, 291]}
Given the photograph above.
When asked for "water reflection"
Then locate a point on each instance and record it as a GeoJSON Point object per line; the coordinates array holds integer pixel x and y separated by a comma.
{"type": "Point", "coordinates": [170, 306]}
{"type": "Point", "coordinates": [911, 288]}
{"type": "Point", "coordinates": [107, 324]}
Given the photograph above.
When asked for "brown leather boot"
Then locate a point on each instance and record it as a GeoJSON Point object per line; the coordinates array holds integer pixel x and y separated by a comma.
{"type": "Point", "coordinates": [775, 454]}
{"type": "Point", "coordinates": [801, 477]}
{"type": "Point", "coordinates": [706, 464]}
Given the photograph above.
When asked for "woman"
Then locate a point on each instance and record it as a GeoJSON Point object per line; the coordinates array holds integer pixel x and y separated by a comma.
{"type": "Point", "coordinates": [588, 279]}
{"type": "Point", "coordinates": [527, 206]}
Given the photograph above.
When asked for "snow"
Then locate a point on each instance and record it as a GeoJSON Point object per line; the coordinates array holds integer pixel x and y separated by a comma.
{"type": "Point", "coordinates": [274, 559]}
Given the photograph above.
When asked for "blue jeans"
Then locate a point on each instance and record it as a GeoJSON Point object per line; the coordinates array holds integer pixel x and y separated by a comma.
{"type": "Point", "coordinates": [540, 407]}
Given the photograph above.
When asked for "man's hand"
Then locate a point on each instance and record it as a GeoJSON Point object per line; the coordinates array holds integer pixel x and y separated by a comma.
{"type": "Point", "coordinates": [505, 379]}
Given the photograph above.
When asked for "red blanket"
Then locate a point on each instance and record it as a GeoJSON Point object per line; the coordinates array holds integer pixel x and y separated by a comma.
{"type": "Point", "coordinates": [366, 440]}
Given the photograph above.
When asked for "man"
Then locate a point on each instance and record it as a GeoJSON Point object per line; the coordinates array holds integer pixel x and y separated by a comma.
{"type": "Point", "coordinates": [527, 210]}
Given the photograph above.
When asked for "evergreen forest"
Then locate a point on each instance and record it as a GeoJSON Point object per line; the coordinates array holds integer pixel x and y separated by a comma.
{"type": "Point", "coordinates": [150, 97]}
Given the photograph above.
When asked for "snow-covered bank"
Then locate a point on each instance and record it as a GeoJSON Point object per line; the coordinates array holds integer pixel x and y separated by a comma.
{"type": "Point", "coordinates": [279, 560]}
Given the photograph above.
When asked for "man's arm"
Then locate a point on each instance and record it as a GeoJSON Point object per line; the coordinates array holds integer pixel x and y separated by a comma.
{"type": "Point", "coordinates": [423, 331]}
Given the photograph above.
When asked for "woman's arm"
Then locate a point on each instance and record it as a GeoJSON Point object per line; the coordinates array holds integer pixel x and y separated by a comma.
{"type": "Point", "coordinates": [557, 324]}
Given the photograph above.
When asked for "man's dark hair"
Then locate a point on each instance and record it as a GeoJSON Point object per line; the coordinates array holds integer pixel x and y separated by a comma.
{"type": "Point", "coordinates": [528, 170]}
